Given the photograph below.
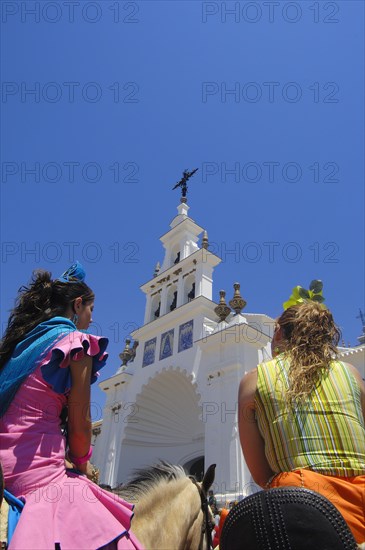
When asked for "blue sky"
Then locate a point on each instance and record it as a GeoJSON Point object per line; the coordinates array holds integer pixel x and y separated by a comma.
{"type": "Point", "coordinates": [104, 104]}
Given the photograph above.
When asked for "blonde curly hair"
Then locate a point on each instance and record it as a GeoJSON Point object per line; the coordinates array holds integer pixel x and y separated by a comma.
{"type": "Point", "coordinates": [309, 341]}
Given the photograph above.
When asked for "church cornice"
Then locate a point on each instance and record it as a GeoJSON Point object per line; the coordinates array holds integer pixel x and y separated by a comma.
{"type": "Point", "coordinates": [190, 225]}
{"type": "Point", "coordinates": [198, 257]}
{"type": "Point", "coordinates": [115, 381]}
{"type": "Point", "coordinates": [349, 351]}
{"type": "Point", "coordinates": [201, 306]}
{"type": "Point", "coordinates": [234, 334]}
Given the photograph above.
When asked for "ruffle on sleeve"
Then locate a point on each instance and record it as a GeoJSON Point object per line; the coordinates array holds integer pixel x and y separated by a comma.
{"type": "Point", "coordinates": [74, 346]}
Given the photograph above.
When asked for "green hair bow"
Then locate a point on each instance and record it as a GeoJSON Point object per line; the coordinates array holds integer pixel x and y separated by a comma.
{"type": "Point", "coordinates": [301, 295]}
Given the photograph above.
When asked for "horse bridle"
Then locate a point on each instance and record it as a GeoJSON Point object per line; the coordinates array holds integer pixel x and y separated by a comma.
{"type": "Point", "coordinates": [207, 525]}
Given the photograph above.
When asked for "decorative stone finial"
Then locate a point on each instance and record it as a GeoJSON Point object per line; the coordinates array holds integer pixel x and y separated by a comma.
{"type": "Point", "coordinates": [125, 355]}
{"type": "Point", "coordinates": [128, 354]}
{"type": "Point", "coordinates": [157, 269]}
{"type": "Point", "coordinates": [205, 242]}
{"type": "Point", "coordinates": [222, 310]}
{"type": "Point", "coordinates": [237, 303]}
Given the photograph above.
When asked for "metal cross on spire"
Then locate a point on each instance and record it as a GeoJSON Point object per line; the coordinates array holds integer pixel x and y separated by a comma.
{"type": "Point", "coordinates": [361, 338]}
{"type": "Point", "coordinates": [362, 317]}
{"type": "Point", "coordinates": [183, 183]}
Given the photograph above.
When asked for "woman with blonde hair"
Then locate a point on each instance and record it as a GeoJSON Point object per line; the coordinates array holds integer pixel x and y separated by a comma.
{"type": "Point", "coordinates": [301, 414]}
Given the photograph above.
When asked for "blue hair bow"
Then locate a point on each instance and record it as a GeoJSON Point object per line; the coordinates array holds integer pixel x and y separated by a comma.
{"type": "Point", "coordinates": [74, 274]}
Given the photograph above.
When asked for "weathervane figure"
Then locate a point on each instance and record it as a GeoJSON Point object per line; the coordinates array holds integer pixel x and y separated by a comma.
{"type": "Point", "coordinates": [183, 183]}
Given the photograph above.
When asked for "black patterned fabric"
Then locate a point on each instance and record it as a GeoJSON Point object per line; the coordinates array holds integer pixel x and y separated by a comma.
{"type": "Point", "coordinates": [286, 518]}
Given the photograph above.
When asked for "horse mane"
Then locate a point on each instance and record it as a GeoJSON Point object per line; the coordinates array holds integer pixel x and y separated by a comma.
{"type": "Point", "coordinates": [145, 479]}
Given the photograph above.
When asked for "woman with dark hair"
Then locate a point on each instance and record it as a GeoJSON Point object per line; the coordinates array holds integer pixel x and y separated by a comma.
{"type": "Point", "coordinates": [47, 363]}
{"type": "Point", "coordinates": [301, 415]}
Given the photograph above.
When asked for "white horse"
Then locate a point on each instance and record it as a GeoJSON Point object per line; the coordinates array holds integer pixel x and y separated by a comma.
{"type": "Point", "coordinates": [171, 508]}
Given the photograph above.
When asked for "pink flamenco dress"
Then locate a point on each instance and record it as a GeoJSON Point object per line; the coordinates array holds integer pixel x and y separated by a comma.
{"type": "Point", "coordinates": [63, 510]}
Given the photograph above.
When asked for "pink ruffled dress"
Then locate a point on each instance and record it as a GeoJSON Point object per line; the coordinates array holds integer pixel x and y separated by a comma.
{"type": "Point", "coordinates": [61, 507]}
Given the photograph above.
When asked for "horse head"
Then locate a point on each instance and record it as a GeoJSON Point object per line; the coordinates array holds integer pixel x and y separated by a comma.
{"type": "Point", "coordinates": [171, 508]}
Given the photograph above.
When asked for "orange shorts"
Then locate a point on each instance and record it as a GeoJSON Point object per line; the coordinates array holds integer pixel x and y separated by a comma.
{"type": "Point", "coordinates": [346, 493]}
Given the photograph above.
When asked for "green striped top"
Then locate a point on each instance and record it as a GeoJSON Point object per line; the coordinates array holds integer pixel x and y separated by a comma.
{"type": "Point", "coordinates": [326, 434]}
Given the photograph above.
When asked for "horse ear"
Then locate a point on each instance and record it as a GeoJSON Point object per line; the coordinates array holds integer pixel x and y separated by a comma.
{"type": "Point", "coordinates": [208, 478]}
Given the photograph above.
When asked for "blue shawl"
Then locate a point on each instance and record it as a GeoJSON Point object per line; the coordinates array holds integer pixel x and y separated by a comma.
{"type": "Point", "coordinates": [15, 509]}
{"type": "Point", "coordinates": [28, 354]}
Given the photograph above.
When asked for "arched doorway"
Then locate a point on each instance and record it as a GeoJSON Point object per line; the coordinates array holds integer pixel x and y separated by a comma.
{"type": "Point", "coordinates": [165, 423]}
{"type": "Point", "coordinates": [195, 467]}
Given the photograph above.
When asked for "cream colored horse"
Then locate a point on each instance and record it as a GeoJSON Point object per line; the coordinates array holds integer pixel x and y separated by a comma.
{"type": "Point", "coordinates": [168, 508]}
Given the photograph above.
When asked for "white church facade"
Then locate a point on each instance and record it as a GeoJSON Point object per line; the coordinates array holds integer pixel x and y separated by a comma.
{"type": "Point", "coordinates": [175, 396]}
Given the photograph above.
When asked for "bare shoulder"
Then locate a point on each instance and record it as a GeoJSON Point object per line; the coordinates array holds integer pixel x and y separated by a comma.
{"type": "Point", "coordinates": [247, 387]}
{"type": "Point", "coordinates": [81, 370]}
{"type": "Point", "coordinates": [361, 384]}
{"type": "Point", "coordinates": [355, 373]}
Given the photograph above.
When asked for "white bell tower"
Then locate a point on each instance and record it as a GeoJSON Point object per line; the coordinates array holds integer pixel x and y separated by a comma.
{"type": "Point", "coordinates": [186, 271]}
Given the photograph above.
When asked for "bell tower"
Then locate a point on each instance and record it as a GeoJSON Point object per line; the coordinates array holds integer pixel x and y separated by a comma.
{"type": "Point", "coordinates": [186, 270]}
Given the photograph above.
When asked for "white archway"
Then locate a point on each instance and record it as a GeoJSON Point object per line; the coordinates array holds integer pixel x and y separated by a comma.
{"type": "Point", "coordinates": [166, 423]}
